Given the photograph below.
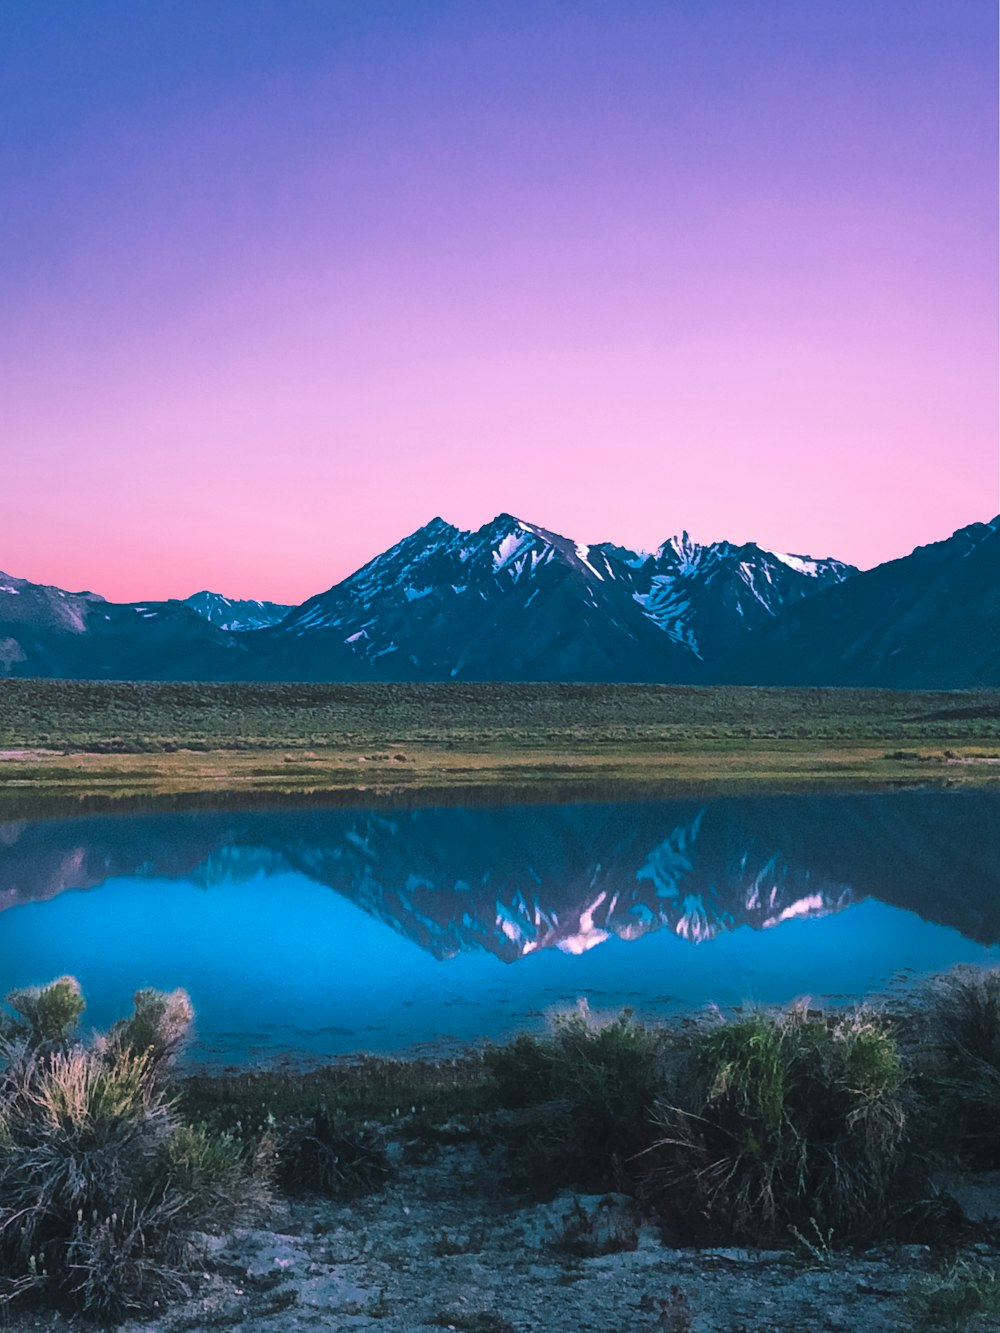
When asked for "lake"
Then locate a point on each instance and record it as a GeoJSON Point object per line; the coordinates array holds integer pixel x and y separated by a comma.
{"type": "Point", "coordinates": [314, 932]}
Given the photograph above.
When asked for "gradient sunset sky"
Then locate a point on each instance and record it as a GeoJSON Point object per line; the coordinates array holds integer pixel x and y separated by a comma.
{"type": "Point", "coordinates": [283, 279]}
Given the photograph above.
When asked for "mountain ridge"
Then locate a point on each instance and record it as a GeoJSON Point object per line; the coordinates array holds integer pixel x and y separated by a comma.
{"type": "Point", "coordinates": [236, 613]}
{"type": "Point", "coordinates": [927, 620]}
{"type": "Point", "coordinates": [513, 600]}
{"type": "Point", "coordinates": [604, 611]}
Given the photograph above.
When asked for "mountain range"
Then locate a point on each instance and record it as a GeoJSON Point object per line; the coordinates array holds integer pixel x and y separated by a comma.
{"type": "Point", "coordinates": [515, 601]}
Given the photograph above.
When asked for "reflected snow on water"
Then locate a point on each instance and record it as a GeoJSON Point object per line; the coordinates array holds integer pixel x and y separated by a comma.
{"type": "Point", "coordinates": [324, 931]}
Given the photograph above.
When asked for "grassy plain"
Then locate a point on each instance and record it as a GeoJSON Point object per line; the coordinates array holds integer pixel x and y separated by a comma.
{"type": "Point", "coordinates": [107, 741]}
{"type": "Point", "coordinates": [90, 744]}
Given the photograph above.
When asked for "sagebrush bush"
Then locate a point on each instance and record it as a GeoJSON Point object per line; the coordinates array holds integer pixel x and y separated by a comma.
{"type": "Point", "coordinates": [100, 1185]}
{"type": "Point", "coordinates": [782, 1121]}
{"type": "Point", "coordinates": [158, 1026]}
{"type": "Point", "coordinates": [44, 1013]}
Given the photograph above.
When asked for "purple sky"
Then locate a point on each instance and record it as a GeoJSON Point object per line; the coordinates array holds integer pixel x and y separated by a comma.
{"type": "Point", "coordinates": [282, 281]}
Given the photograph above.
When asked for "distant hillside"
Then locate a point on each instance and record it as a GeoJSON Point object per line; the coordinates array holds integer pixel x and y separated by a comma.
{"type": "Point", "coordinates": [928, 621]}
{"type": "Point", "coordinates": [45, 631]}
{"type": "Point", "coordinates": [227, 613]}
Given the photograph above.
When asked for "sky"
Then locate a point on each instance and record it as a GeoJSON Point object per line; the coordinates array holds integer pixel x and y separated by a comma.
{"type": "Point", "coordinates": [281, 280]}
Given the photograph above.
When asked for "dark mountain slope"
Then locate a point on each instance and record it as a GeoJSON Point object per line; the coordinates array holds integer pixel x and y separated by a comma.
{"type": "Point", "coordinates": [930, 620]}
{"type": "Point", "coordinates": [48, 632]}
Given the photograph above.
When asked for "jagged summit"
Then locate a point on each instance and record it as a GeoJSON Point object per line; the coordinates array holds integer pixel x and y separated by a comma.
{"type": "Point", "coordinates": [514, 597]}
{"type": "Point", "coordinates": [687, 551]}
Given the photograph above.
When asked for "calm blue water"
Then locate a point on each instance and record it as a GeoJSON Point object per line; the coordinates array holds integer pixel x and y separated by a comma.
{"type": "Point", "coordinates": [320, 932]}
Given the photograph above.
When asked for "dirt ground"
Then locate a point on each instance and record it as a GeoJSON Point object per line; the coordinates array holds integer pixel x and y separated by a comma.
{"type": "Point", "coordinates": [443, 1248]}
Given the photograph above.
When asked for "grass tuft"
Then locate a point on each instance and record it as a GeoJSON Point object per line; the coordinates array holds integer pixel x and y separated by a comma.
{"type": "Point", "coordinates": [954, 1298]}
{"type": "Point", "coordinates": [587, 1091]}
{"type": "Point", "coordinates": [788, 1121]}
{"type": "Point", "coordinates": [965, 1034]}
{"type": "Point", "coordinates": [334, 1156]}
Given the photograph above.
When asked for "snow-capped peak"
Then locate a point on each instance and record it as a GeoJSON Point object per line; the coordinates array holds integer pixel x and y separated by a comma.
{"type": "Point", "coordinates": [687, 551]}
{"type": "Point", "coordinates": [511, 545]}
{"type": "Point", "coordinates": [442, 590]}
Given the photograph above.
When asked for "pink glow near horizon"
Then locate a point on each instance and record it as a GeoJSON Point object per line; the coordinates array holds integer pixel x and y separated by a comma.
{"type": "Point", "coordinates": [547, 268]}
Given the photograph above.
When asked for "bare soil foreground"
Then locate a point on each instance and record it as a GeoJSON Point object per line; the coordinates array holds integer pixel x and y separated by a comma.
{"type": "Point", "coordinates": [92, 744]}
{"type": "Point", "coordinates": [441, 1248]}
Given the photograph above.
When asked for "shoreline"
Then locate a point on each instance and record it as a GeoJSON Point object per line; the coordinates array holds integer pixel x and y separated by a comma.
{"type": "Point", "coordinates": [87, 783]}
{"type": "Point", "coordinates": [453, 1205]}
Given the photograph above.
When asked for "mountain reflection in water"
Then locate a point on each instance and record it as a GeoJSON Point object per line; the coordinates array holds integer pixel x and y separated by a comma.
{"type": "Point", "coordinates": [517, 880]}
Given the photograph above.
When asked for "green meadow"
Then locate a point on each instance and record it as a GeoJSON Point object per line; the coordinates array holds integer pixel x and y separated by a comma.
{"type": "Point", "coordinates": [106, 742]}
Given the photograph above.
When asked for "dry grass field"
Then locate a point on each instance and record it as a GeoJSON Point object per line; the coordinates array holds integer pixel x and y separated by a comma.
{"type": "Point", "coordinates": [95, 743]}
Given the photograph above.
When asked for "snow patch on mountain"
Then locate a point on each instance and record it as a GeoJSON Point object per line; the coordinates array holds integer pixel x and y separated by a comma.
{"type": "Point", "coordinates": [801, 563]}
{"type": "Point", "coordinates": [511, 546]}
{"type": "Point", "coordinates": [666, 606]}
{"type": "Point", "coordinates": [748, 575]}
{"type": "Point", "coordinates": [583, 555]}
{"type": "Point", "coordinates": [235, 614]}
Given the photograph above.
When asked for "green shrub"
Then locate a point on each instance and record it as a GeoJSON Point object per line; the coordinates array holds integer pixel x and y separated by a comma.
{"type": "Point", "coordinates": [44, 1013]}
{"type": "Point", "coordinates": [220, 1176]}
{"type": "Point", "coordinates": [954, 1298]}
{"type": "Point", "coordinates": [589, 1089]}
{"type": "Point", "coordinates": [795, 1120]}
{"type": "Point", "coordinates": [522, 1071]}
{"type": "Point", "coordinates": [100, 1186]}
{"type": "Point", "coordinates": [332, 1155]}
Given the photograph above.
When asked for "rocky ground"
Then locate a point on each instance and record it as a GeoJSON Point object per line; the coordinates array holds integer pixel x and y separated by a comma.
{"type": "Point", "coordinates": [442, 1247]}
